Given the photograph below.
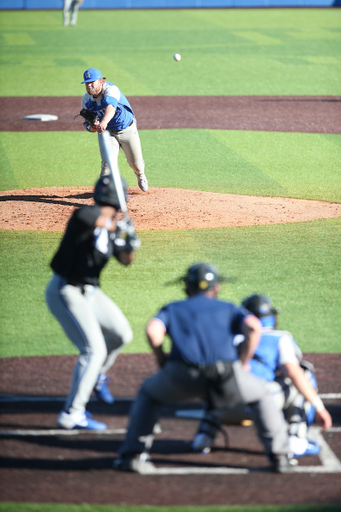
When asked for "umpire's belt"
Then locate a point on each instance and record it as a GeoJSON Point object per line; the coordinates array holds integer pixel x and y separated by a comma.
{"type": "Point", "coordinates": [222, 390]}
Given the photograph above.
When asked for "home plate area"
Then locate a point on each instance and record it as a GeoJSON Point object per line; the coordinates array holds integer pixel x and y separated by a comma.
{"type": "Point", "coordinates": [47, 459]}
{"type": "Point", "coordinates": [236, 450]}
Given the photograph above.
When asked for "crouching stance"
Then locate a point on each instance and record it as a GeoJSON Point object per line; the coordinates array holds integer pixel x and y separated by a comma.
{"type": "Point", "coordinates": [291, 381]}
{"type": "Point", "coordinates": [203, 363]}
{"type": "Point", "coordinates": [92, 321]}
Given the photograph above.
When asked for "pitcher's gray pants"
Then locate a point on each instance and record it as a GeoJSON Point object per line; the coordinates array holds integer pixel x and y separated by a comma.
{"type": "Point", "coordinates": [176, 382]}
{"type": "Point", "coordinates": [96, 326]}
{"type": "Point", "coordinates": [129, 140]}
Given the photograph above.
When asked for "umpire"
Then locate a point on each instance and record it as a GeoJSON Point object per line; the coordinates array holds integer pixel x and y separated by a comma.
{"type": "Point", "coordinates": [92, 321]}
{"type": "Point", "coordinates": [203, 362]}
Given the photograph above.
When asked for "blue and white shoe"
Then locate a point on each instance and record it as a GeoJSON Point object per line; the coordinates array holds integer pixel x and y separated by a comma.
{"type": "Point", "coordinates": [312, 449]}
{"type": "Point", "coordinates": [299, 447]}
{"type": "Point", "coordinates": [78, 420]}
{"type": "Point", "coordinates": [102, 391]}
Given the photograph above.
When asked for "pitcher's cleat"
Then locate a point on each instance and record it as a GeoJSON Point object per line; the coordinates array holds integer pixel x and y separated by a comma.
{"type": "Point", "coordinates": [142, 182]}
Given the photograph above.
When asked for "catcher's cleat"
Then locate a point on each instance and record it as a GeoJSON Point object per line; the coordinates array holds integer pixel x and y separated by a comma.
{"type": "Point", "coordinates": [311, 449]}
{"type": "Point", "coordinates": [102, 391]}
{"type": "Point", "coordinates": [142, 182]}
{"type": "Point", "coordinates": [137, 463]}
{"type": "Point", "coordinates": [78, 420]}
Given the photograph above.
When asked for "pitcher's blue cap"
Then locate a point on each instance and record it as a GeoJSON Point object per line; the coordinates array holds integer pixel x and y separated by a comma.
{"type": "Point", "coordinates": [92, 74]}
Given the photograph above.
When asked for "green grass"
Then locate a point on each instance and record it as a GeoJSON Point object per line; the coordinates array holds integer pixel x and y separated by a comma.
{"type": "Point", "coordinates": [48, 507]}
{"type": "Point", "coordinates": [299, 165]}
{"type": "Point", "coordinates": [297, 265]}
{"type": "Point", "coordinates": [224, 51]}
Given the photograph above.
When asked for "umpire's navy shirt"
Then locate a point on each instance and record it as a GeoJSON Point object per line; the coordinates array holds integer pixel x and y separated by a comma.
{"type": "Point", "coordinates": [202, 329]}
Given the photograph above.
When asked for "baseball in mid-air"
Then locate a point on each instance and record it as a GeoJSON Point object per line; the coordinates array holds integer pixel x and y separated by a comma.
{"type": "Point", "coordinates": [177, 57]}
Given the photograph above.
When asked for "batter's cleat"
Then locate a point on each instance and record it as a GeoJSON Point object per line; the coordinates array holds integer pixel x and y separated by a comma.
{"type": "Point", "coordinates": [139, 463]}
{"type": "Point", "coordinates": [78, 420]}
{"type": "Point", "coordinates": [280, 464]}
{"type": "Point", "coordinates": [102, 391]}
{"type": "Point", "coordinates": [142, 181]}
{"type": "Point", "coordinates": [202, 443]}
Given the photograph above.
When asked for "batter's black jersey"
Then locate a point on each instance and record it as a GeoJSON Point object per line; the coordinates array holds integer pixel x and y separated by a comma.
{"type": "Point", "coordinates": [85, 249]}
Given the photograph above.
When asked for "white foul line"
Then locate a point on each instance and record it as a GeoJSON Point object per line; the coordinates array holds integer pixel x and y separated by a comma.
{"type": "Point", "coordinates": [59, 432]}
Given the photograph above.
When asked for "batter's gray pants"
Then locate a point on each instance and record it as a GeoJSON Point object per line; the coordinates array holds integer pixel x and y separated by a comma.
{"type": "Point", "coordinates": [176, 382]}
{"type": "Point", "coordinates": [129, 140]}
{"type": "Point", "coordinates": [96, 326]}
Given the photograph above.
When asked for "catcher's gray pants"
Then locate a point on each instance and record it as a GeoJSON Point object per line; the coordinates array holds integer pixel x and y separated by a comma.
{"type": "Point", "coordinates": [95, 325]}
{"type": "Point", "coordinates": [129, 140]}
{"type": "Point", "coordinates": [287, 399]}
{"type": "Point", "coordinates": [176, 382]}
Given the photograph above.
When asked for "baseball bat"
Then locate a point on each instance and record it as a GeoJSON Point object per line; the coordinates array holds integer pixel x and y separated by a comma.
{"type": "Point", "coordinates": [108, 156]}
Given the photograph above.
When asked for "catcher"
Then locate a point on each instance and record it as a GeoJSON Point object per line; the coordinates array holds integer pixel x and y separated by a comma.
{"type": "Point", "coordinates": [291, 381]}
{"type": "Point", "coordinates": [104, 107]}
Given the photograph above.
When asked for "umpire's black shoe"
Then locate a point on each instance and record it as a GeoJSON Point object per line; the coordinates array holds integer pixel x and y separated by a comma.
{"type": "Point", "coordinates": [280, 464]}
{"type": "Point", "coordinates": [138, 463]}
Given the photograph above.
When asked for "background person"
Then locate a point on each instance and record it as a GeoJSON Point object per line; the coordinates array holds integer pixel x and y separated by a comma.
{"type": "Point", "coordinates": [203, 362]}
{"type": "Point", "coordinates": [91, 320]}
{"type": "Point", "coordinates": [71, 6]}
{"type": "Point", "coordinates": [115, 115]}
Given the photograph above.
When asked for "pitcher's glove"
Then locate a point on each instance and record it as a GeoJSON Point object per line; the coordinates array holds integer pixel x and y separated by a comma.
{"type": "Point", "coordinates": [89, 117]}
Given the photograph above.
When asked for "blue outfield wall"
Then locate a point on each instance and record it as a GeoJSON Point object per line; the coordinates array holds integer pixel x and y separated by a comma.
{"type": "Point", "coordinates": [166, 4]}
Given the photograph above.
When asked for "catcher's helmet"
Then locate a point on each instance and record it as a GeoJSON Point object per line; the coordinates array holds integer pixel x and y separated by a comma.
{"type": "Point", "coordinates": [259, 305]}
{"type": "Point", "coordinates": [105, 193]}
{"type": "Point", "coordinates": [201, 277]}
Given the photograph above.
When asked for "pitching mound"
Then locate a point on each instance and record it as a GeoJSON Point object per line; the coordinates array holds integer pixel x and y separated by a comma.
{"type": "Point", "coordinates": [49, 209]}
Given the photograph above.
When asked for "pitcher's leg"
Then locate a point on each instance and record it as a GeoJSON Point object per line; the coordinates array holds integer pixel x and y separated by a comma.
{"type": "Point", "coordinates": [131, 145]}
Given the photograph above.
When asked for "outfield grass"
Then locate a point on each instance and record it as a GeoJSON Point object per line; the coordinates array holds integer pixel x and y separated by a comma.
{"type": "Point", "coordinates": [224, 51]}
{"type": "Point", "coordinates": [297, 265]}
{"type": "Point", "coordinates": [299, 165]}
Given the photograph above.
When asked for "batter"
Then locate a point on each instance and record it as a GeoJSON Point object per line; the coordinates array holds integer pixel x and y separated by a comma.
{"type": "Point", "coordinates": [90, 319]}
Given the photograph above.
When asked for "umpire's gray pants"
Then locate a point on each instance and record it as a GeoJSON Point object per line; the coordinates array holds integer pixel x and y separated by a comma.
{"type": "Point", "coordinates": [177, 382]}
{"type": "Point", "coordinates": [129, 140]}
{"type": "Point", "coordinates": [95, 325]}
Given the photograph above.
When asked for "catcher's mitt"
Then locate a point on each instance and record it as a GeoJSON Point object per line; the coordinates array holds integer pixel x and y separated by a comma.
{"type": "Point", "coordinates": [89, 116]}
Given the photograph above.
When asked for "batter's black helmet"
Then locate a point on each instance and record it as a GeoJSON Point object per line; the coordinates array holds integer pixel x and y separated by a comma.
{"type": "Point", "coordinates": [105, 193]}
{"type": "Point", "coordinates": [259, 305]}
{"type": "Point", "coordinates": [201, 277]}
